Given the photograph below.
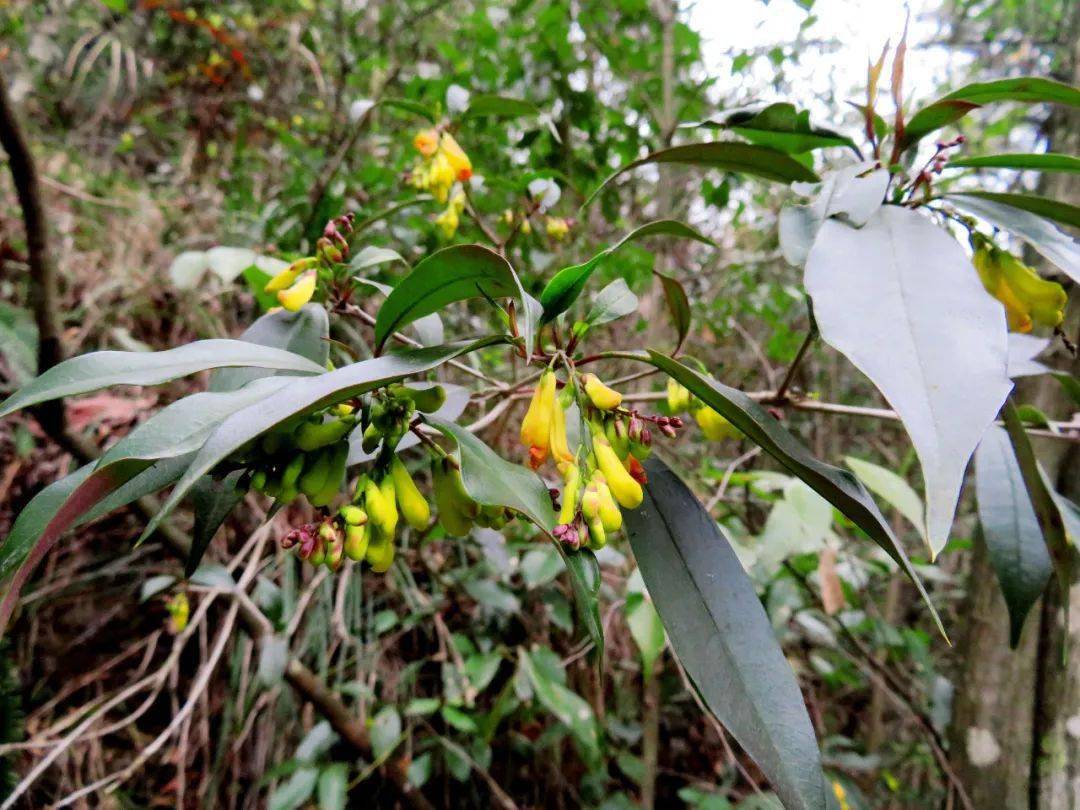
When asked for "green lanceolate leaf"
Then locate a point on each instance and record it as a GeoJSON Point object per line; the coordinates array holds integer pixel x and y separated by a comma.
{"type": "Point", "coordinates": [1069, 383]}
{"type": "Point", "coordinates": [839, 487]}
{"type": "Point", "coordinates": [1043, 501]}
{"type": "Point", "coordinates": [301, 397]}
{"type": "Point", "coordinates": [455, 273]}
{"type": "Point", "coordinates": [957, 104]}
{"type": "Point", "coordinates": [499, 107]}
{"type": "Point", "coordinates": [782, 127]}
{"type": "Point", "coordinates": [722, 635]}
{"type": "Point", "coordinates": [1053, 243]}
{"type": "Point", "coordinates": [54, 510]}
{"type": "Point", "coordinates": [744, 158]}
{"type": "Point", "coordinates": [212, 499]}
{"type": "Point", "coordinates": [1043, 162]}
{"type": "Point", "coordinates": [566, 285]}
{"type": "Point", "coordinates": [584, 573]}
{"type": "Point", "coordinates": [678, 307]}
{"type": "Point", "coordinates": [893, 489]}
{"type": "Point", "coordinates": [1010, 529]}
{"type": "Point", "coordinates": [90, 372]}
{"type": "Point", "coordinates": [407, 106]}
{"type": "Point", "coordinates": [1040, 206]}
{"type": "Point", "coordinates": [490, 480]}
{"type": "Point", "coordinates": [304, 332]}
{"type": "Point", "coordinates": [429, 329]}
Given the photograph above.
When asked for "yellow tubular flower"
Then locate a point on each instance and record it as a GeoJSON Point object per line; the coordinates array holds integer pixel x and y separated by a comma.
{"type": "Point", "coordinates": [413, 506]}
{"type": "Point", "coordinates": [714, 426]}
{"type": "Point", "coordinates": [380, 552]}
{"type": "Point", "coordinates": [590, 501]}
{"type": "Point", "coordinates": [288, 276]}
{"type": "Point", "coordinates": [1027, 298]}
{"type": "Point", "coordinates": [604, 398]}
{"type": "Point", "coordinates": [536, 426]}
{"type": "Point", "coordinates": [426, 142]}
{"type": "Point", "coordinates": [1045, 300]}
{"type": "Point", "coordinates": [560, 448]}
{"type": "Point", "coordinates": [299, 293]}
{"type": "Point", "coordinates": [456, 157]}
{"type": "Point", "coordinates": [626, 490]}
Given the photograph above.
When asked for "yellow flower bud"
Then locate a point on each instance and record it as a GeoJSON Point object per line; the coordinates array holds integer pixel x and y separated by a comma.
{"type": "Point", "coordinates": [413, 506]}
{"type": "Point", "coordinates": [356, 542]}
{"type": "Point", "coordinates": [714, 426]}
{"type": "Point", "coordinates": [536, 426]}
{"type": "Point", "coordinates": [179, 609]}
{"type": "Point", "coordinates": [299, 293]}
{"type": "Point", "coordinates": [609, 513]}
{"type": "Point", "coordinates": [557, 228]}
{"type": "Point", "coordinates": [456, 157]}
{"type": "Point", "coordinates": [678, 397]}
{"type": "Point", "coordinates": [600, 395]}
{"type": "Point", "coordinates": [590, 501]}
{"type": "Point", "coordinates": [380, 552]}
{"type": "Point", "coordinates": [570, 494]}
{"type": "Point", "coordinates": [287, 276]}
{"type": "Point", "coordinates": [597, 535]}
{"type": "Point", "coordinates": [625, 489]}
{"type": "Point", "coordinates": [448, 222]}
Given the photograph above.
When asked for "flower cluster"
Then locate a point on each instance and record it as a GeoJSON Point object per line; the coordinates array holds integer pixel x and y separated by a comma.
{"type": "Point", "coordinates": [442, 163]}
{"type": "Point", "coordinates": [297, 283]}
{"type": "Point", "coordinates": [1028, 299]}
{"type": "Point", "coordinates": [603, 474]}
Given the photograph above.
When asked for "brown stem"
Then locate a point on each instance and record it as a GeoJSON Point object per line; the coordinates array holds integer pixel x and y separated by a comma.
{"type": "Point", "coordinates": [43, 282]}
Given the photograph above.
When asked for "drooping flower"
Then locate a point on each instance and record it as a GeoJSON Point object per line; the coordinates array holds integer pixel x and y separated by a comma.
{"type": "Point", "coordinates": [1028, 299]}
{"type": "Point", "coordinates": [300, 292]}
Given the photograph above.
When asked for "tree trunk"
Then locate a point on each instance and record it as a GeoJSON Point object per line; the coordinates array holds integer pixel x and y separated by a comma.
{"type": "Point", "coordinates": [1016, 721]}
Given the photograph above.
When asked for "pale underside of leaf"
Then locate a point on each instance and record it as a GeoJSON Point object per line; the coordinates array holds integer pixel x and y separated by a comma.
{"type": "Point", "coordinates": [900, 299]}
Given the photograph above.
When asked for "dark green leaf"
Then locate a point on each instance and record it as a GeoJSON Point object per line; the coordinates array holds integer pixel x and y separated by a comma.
{"type": "Point", "coordinates": [678, 307]}
{"type": "Point", "coordinates": [1014, 541]}
{"type": "Point", "coordinates": [499, 106]}
{"type": "Point", "coordinates": [454, 273]}
{"type": "Point", "coordinates": [1043, 162]}
{"type": "Point", "coordinates": [305, 396]}
{"type": "Point", "coordinates": [408, 106]}
{"type": "Point", "coordinates": [957, 104]}
{"type": "Point", "coordinates": [1051, 242]}
{"type": "Point", "coordinates": [723, 636]}
{"type": "Point", "coordinates": [429, 329]}
{"type": "Point", "coordinates": [584, 573]}
{"type": "Point", "coordinates": [304, 332]}
{"type": "Point", "coordinates": [839, 487]}
{"type": "Point", "coordinates": [90, 372]}
{"type": "Point", "coordinates": [212, 499]}
{"type": "Point", "coordinates": [782, 127]}
{"type": "Point", "coordinates": [760, 161]}
{"type": "Point", "coordinates": [566, 285]}
{"type": "Point", "coordinates": [1042, 498]}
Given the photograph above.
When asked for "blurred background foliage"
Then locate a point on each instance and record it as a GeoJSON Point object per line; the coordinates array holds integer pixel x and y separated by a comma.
{"type": "Point", "coordinates": [164, 126]}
